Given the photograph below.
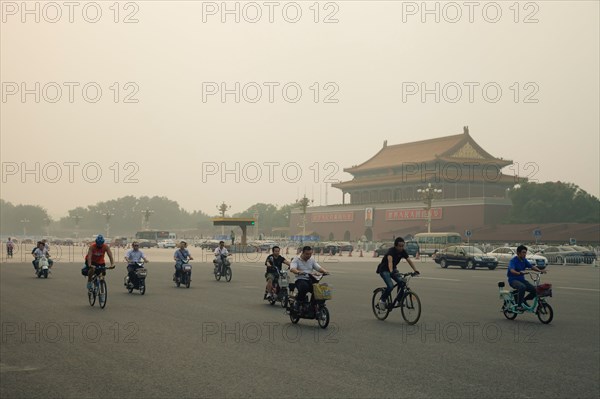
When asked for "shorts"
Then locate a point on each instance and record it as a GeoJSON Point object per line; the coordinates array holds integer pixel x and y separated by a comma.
{"type": "Point", "coordinates": [270, 276]}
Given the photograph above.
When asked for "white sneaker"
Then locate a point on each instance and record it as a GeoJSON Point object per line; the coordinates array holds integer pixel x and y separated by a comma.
{"type": "Point", "coordinates": [382, 305]}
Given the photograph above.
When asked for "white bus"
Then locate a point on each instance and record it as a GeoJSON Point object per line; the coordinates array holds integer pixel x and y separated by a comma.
{"type": "Point", "coordinates": [430, 242]}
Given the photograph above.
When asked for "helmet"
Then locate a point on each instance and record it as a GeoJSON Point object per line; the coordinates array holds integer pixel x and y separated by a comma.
{"type": "Point", "coordinates": [99, 240]}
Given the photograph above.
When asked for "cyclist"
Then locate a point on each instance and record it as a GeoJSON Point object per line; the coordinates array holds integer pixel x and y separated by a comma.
{"type": "Point", "coordinates": [220, 250]}
{"type": "Point", "coordinates": [181, 255]}
{"type": "Point", "coordinates": [133, 256]}
{"type": "Point", "coordinates": [274, 263]}
{"type": "Point", "coordinates": [302, 266]}
{"type": "Point", "coordinates": [516, 276]}
{"type": "Point", "coordinates": [95, 258]}
{"type": "Point", "coordinates": [388, 269]}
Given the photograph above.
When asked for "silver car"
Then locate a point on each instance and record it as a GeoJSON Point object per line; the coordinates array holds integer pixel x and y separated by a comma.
{"type": "Point", "coordinates": [505, 254]}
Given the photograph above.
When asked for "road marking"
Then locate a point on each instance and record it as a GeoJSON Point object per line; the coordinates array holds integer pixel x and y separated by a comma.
{"type": "Point", "coordinates": [4, 368]}
{"type": "Point", "coordinates": [579, 289]}
{"type": "Point", "coordinates": [437, 278]}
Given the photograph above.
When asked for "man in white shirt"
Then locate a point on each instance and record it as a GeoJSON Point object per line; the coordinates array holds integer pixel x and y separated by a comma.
{"type": "Point", "coordinates": [39, 252]}
{"type": "Point", "coordinates": [302, 266]}
{"type": "Point", "coordinates": [131, 257]}
{"type": "Point", "coordinates": [220, 251]}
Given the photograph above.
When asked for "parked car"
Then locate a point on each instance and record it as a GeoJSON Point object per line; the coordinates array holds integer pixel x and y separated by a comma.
{"type": "Point", "coordinates": [383, 248]}
{"type": "Point", "coordinates": [345, 246]}
{"type": "Point", "coordinates": [465, 256]}
{"type": "Point", "coordinates": [148, 244]}
{"type": "Point", "coordinates": [323, 248]}
{"type": "Point", "coordinates": [561, 254]}
{"type": "Point", "coordinates": [166, 244]}
{"type": "Point", "coordinates": [589, 256]}
{"type": "Point", "coordinates": [505, 254]}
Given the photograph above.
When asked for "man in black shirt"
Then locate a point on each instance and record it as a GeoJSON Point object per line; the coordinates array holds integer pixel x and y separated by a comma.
{"type": "Point", "coordinates": [388, 268]}
{"type": "Point", "coordinates": [274, 263]}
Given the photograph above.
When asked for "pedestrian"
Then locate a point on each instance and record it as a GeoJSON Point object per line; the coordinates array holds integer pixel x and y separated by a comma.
{"type": "Point", "coordinates": [9, 248]}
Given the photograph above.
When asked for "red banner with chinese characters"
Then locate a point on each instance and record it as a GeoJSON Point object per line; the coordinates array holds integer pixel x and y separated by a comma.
{"type": "Point", "coordinates": [332, 217]}
{"type": "Point", "coordinates": [408, 214]}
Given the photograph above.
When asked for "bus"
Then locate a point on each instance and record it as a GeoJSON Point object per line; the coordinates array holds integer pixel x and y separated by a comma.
{"type": "Point", "coordinates": [431, 242]}
{"type": "Point", "coordinates": [155, 235]}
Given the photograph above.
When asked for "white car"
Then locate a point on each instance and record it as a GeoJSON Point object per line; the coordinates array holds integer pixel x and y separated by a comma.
{"type": "Point", "coordinates": [505, 254]}
{"type": "Point", "coordinates": [166, 244]}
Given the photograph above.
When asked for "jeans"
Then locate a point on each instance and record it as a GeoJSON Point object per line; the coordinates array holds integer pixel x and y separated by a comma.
{"type": "Point", "coordinates": [131, 272]}
{"type": "Point", "coordinates": [523, 286]}
{"type": "Point", "coordinates": [387, 278]}
{"type": "Point", "coordinates": [304, 287]}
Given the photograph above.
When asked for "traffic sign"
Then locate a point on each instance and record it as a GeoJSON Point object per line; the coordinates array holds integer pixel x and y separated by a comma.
{"type": "Point", "coordinates": [468, 233]}
{"type": "Point", "coordinates": [537, 233]}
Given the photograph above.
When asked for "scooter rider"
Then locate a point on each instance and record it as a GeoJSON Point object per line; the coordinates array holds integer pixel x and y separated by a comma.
{"type": "Point", "coordinates": [133, 256]}
{"type": "Point", "coordinates": [37, 253]}
{"type": "Point", "coordinates": [220, 250]}
{"type": "Point", "coordinates": [516, 276]}
{"type": "Point", "coordinates": [274, 263]}
{"type": "Point", "coordinates": [181, 255]}
{"type": "Point", "coordinates": [302, 266]}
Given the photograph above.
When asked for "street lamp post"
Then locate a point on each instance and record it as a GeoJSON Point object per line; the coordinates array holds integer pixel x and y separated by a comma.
{"type": "Point", "coordinates": [303, 204]}
{"type": "Point", "coordinates": [147, 214]}
{"type": "Point", "coordinates": [24, 221]}
{"type": "Point", "coordinates": [222, 209]}
{"type": "Point", "coordinates": [427, 194]}
{"type": "Point", "coordinates": [77, 219]}
{"type": "Point", "coordinates": [107, 215]}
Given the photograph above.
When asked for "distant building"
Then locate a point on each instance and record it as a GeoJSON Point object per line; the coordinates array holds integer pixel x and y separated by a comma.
{"type": "Point", "coordinates": [382, 200]}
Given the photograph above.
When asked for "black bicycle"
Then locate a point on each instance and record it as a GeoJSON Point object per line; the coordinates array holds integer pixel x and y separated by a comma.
{"type": "Point", "coordinates": [406, 299]}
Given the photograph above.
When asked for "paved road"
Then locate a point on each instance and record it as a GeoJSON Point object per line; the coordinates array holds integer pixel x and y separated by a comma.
{"type": "Point", "coordinates": [220, 339]}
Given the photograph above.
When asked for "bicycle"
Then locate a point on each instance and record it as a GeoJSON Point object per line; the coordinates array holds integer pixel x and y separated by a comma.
{"type": "Point", "coordinates": [540, 307]}
{"type": "Point", "coordinates": [99, 288]}
{"type": "Point", "coordinates": [406, 299]}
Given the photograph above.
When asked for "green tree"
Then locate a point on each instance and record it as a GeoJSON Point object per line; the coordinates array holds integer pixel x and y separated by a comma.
{"type": "Point", "coordinates": [553, 202]}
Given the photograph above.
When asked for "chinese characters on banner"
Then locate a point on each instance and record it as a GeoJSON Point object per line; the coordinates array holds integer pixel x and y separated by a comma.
{"type": "Point", "coordinates": [406, 214]}
{"type": "Point", "coordinates": [332, 217]}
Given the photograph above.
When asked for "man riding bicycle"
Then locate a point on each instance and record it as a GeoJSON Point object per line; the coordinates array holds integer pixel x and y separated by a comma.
{"type": "Point", "coordinates": [94, 260]}
{"type": "Point", "coordinates": [220, 250]}
{"type": "Point", "coordinates": [516, 276]}
{"type": "Point", "coordinates": [302, 266]}
{"type": "Point", "coordinates": [133, 256]}
{"type": "Point", "coordinates": [274, 263]}
{"type": "Point", "coordinates": [388, 269]}
{"type": "Point", "coordinates": [181, 255]}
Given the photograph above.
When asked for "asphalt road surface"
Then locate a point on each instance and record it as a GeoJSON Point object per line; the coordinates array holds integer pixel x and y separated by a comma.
{"type": "Point", "coordinates": [219, 339]}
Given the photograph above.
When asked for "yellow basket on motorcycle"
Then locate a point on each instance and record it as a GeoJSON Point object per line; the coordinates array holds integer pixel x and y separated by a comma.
{"type": "Point", "coordinates": [544, 290]}
{"type": "Point", "coordinates": [322, 291]}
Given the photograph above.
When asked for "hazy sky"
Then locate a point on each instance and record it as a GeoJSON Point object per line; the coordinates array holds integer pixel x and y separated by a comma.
{"type": "Point", "coordinates": [161, 127]}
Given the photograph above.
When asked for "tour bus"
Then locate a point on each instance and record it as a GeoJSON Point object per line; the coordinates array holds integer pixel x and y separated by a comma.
{"type": "Point", "coordinates": [430, 242]}
{"type": "Point", "coordinates": [154, 235]}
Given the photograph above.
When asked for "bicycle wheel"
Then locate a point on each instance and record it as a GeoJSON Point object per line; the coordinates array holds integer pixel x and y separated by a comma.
{"type": "Point", "coordinates": [92, 295]}
{"type": "Point", "coordinates": [102, 294]}
{"type": "Point", "coordinates": [323, 317]}
{"type": "Point", "coordinates": [508, 313]}
{"type": "Point", "coordinates": [381, 314]}
{"type": "Point", "coordinates": [228, 274]}
{"type": "Point", "coordinates": [411, 307]}
{"type": "Point", "coordinates": [544, 312]}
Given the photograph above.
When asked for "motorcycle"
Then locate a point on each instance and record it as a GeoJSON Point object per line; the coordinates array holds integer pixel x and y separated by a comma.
{"type": "Point", "coordinates": [282, 286]}
{"type": "Point", "coordinates": [43, 267]}
{"type": "Point", "coordinates": [186, 275]}
{"type": "Point", "coordinates": [312, 309]}
{"type": "Point", "coordinates": [540, 307]}
{"type": "Point", "coordinates": [224, 269]}
{"type": "Point", "coordinates": [139, 282]}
